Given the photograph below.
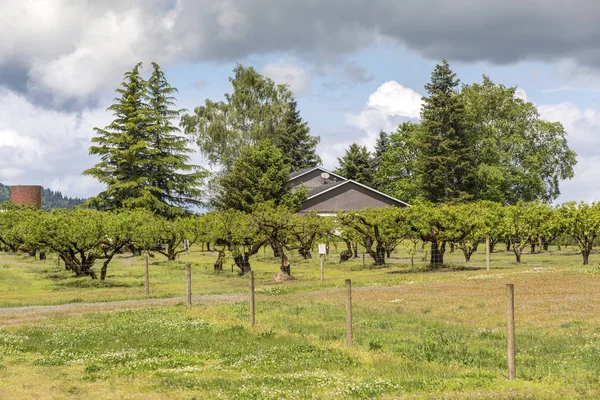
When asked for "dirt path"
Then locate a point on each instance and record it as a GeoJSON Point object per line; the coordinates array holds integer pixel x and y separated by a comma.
{"type": "Point", "coordinates": [21, 315]}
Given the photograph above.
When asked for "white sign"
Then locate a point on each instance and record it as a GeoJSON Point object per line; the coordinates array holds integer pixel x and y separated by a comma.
{"type": "Point", "coordinates": [322, 249]}
{"type": "Point", "coordinates": [186, 244]}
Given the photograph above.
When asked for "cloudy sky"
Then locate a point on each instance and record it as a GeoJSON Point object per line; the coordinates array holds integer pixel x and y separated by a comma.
{"type": "Point", "coordinates": [356, 66]}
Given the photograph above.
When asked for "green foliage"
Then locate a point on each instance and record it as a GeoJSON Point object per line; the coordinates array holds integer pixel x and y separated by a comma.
{"type": "Point", "coordinates": [143, 160]}
{"type": "Point", "coordinates": [260, 174]}
{"type": "Point", "coordinates": [377, 230]}
{"type": "Point", "coordinates": [445, 160]}
{"type": "Point", "coordinates": [519, 156]}
{"type": "Point", "coordinates": [235, 232]}
{"type": "Point", "coordinates": [254, 111]}
{"type": "Point", "coordinates": [396, 173]}
{"type": "Point", "coordinates": [479, 143]}
{"type": "Point", "coordinates": [522, 223]}
{"type": "Point", "coordinates": [295, 141]}
{"type": "Point", "coordinates": [11, 219]}
{"type": "Point", "coordinates": [581, 222]}
{"type": "Point", "coordinates": [356, 164]}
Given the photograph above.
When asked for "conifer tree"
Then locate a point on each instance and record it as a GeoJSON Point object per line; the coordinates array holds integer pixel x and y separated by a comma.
{"type": "Point", "coordinates": [142, 160]}
{"type": "Point", "coordinates": [356, 164]}
{"type": "Point", "coordinates": [381, 146]}
{"type": "Point", "coordinates": [296, 142]}
{"type": "Point", "coordinates": [174, 181]}
{"type": "Point", "coordinates": [445, 162]}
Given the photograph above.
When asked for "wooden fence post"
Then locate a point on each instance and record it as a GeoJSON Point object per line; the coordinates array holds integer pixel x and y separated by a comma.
{"type": "Point", "coordinates": [487, 252]}
{"type": "Point", "coordinates": [321, 257]}
{"type": "Point", "coordinates": [147, 277]}
{"type": "Point", "coordinates": [252, 318]}
{"type": "Point", "coordinates": [188, 284]}
{"type": "Point", "coordinates": [348, 312]}
{"type": "Point", "coordinates": [510, 324]}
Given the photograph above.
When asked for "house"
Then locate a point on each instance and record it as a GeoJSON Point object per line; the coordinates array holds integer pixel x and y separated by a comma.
{"type": "Point", "coordinates": [329, 193]}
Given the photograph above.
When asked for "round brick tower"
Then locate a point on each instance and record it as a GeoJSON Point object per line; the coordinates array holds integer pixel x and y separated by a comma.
{"type": "Point", "coordinates": [26, 195]}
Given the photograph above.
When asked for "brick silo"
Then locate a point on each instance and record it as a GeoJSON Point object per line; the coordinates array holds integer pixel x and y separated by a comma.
{"type": "Point", "coordinates": [26, 195]}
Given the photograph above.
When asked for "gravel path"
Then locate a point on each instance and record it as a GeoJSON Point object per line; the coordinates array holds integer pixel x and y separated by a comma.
{"type": "Point", "coordinates": [18, 315]}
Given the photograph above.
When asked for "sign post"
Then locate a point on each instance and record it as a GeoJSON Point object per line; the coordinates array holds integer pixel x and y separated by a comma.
{"type": "Point", "coordinates": [322, 252]}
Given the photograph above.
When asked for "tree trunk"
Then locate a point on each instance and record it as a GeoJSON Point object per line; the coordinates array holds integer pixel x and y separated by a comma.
{"type": "Point", "coordinates": [286, 268]}
{"type": "Point", "coordinates": [242, 263]}
{"type": "Point", "coordinates": [467, 251]}
{"type": "Point", "coordinates": [532, 247]}
{"type": "Point", "coordinates": [277, 250]}
{"type": "Point", "coordinates": [517, 254]}
{"type": "Point", "coordinates": [103, 270]}
{"type": "Point", "coordinates": [437, 256]}
{"type": "Point", "coordinates": [493, 241]}
{"type": "Point", "coordinates": [42, 255]}
{"type": "Point", "coordinates": [305, 252]}
{"type": "Point", "coordinates": [507, 245]}
{"type": "Point", "coordinates": [586, 257]}
{"type": "Point", "coordinates": [451, 247]}
{"type": "Point", "coordinates": [207, 246]}
{"type": "Point", "coordinates": [355, 249]}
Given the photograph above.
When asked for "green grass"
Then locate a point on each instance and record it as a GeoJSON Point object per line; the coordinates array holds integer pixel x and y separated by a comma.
{"type": "Point", "coordinates": [418, 333]}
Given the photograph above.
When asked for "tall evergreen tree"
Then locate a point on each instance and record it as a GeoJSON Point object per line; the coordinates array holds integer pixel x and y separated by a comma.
{"type": "Point", "coordinates": [445, 162]}
{"type": "Point", "coordinates": [175, 182]}
{"type": "Point", "coordinates": [381, 146]}
{"type": "Point", "coordinates": [140, 151]}
{"type": "Point", "coordinates": [296, 142]}
{"type": "Point", "coordinates": [356, 164]}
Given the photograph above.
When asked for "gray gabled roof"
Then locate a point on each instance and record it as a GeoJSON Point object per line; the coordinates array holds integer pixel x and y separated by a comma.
{"type": "Point", "coordinates": [323, 188]}
{"type": "Point", "coordinates": [305, 171]}
{"type": "Point", "coordinates": [329, 186]}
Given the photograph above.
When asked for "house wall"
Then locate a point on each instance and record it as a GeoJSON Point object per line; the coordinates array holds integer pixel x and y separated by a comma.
{"type": "Point", "coordinates": [348, 197]}
{"type": "Point", "coordinates": [311, 180]}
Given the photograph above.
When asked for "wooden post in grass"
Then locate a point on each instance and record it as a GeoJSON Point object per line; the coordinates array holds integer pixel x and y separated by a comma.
{"type": "Point", "coordinates": [487, 252]}
{"type": "Point", "coordinates": [348, 312]}
{"type": "Point", "coordinates": [251, 277]}
{"type": "Point", "coordinates": [188, 284]}
{"type": "Point", "coordinates": [510, 324]}
{"type": "Point", "coordinates": [147, 277]}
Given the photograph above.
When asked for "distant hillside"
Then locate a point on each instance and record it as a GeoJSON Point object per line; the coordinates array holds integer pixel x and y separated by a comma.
{"type": "Point", "coordinates": [50, 198]}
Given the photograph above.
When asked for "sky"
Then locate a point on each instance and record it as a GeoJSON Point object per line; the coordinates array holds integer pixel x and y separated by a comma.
{"type": "Point", "coordinates": [355, 66]}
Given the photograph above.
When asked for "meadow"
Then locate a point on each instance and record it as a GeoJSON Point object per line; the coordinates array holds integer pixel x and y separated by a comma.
{"type": "Point", "coordinates": [418, 333]}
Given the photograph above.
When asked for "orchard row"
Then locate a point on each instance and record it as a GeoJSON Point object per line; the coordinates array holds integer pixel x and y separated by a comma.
{"type": "Point", "coordinates": [81, 237]}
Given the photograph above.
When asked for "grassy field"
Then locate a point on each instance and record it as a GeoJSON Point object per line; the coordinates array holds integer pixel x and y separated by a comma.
{"type": "Point", "coordinates": [417, 333]}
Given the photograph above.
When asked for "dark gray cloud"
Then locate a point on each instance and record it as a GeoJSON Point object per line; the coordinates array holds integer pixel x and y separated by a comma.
{"type": "Point", "coordinates": [465, 30]}
{"type": "Point", "coordinates": [65, 53]}
{"type": "Point", "coordinates": [356, 74]}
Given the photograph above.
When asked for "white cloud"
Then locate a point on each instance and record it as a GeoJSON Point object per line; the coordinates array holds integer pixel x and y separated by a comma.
{"type": "Point", "coordinates": [521, 94]}
{"type": "Point", "coordinates": [583, 128]}
{"type": "Point", "coordinates": [44, 146]}
{"type": "Point", "coordinates": [284, 72]}
{"type": "Point", "coordinates": [104, 51]}
{"type": "Point", "coordinates": [389, 105]}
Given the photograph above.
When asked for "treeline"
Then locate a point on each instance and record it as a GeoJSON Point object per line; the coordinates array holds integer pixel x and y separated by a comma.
{"type": "Point", "coordinates": [83, 236]}
{"type": "Point", "coordinates": [477, 141]}
{"type": "Point", "coordinates": [50, 199]}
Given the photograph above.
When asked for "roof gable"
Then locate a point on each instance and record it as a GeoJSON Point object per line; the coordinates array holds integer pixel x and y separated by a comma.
{"type": "Point", "coordinates": [325, 188]}
{"type": "Point", "coordinates": [295, 175]}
